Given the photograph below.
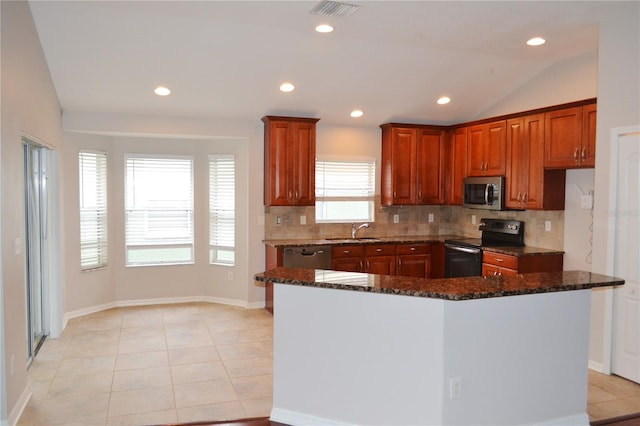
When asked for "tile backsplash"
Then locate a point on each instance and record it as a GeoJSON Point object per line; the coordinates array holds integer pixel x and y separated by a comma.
{"type": "Point", "coordinates": [414, 220]}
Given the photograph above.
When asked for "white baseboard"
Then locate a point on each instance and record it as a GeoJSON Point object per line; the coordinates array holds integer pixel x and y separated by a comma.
{"type": "Point", "coordinates": [17, 410]}
{"type": "Point", "coordinates": [596, 366]}
{"type": "Point", "coordinates": [575, 420]}
{"type": "Point", "coordinates": [295, 418]}
{"type": "Point", "coordinates": [159, 301]}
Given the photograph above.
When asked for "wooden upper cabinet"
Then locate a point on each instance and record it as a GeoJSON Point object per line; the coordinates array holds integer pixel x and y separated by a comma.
{"type": "Point", "coordinates": [412, 169]}
{"type": "Point", "coordinates": [486, 148]}
{"type": "Point", "coordinates": [430, 158]}
{"type": "Point", "coordinates": [570, 137]}
{"type": "Point", "coordinates": [589, 115]}
{"type": "Point", "coordinates": [289, 168]}
{"type": "Point", "coordinates": [528, 186]}
{"type": "Point", "coordinates": [457, 165]}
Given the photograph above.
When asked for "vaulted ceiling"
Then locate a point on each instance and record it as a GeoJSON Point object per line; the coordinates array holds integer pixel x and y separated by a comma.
{"type": "Point", "coordinates": [391, 59]}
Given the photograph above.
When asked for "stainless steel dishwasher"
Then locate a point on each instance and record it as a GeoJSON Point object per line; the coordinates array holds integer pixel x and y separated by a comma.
{"type": "Point", "coordinates": [311, 257]}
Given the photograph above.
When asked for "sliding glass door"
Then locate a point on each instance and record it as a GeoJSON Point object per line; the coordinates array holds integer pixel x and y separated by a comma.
{"type": "Point", "coordinates": [36, 215]}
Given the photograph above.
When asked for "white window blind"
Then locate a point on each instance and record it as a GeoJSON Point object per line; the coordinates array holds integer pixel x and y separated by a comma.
{"type": "Point", "coordinates": [345, 190]}
{"type": "Point", "coordinates": [158, 210]}
{"type": "Point", "coordinates": [93, 209]}
{"type": "Point", "coordinates": [222, 209]}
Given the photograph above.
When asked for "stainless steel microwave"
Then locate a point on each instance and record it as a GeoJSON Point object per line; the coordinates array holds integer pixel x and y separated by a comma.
{"type": "Point", "coordinates": [485, 193]}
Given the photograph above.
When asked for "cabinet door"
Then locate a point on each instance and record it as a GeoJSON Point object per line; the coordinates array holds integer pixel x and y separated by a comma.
{"type": "Point", "coordinates": [383, 265]}
{"type": "Point", "coordinates": [588, 153]}
{"type": "Point", "coordinates": [475, 150]}
{"type": "Point", "coordinates": [303, 165]}
{"type": "Point", "coordinates": [495, 147]}
{"type": "Point", "coordinates": [348, 264]}
{"type": "Point", "coordinates": [517, 167]}
{"type": "Point", "coordinates": [563, 138]}
{"type": "Point", "coordinates": [525, 154]}
{"type": "Point", "coordinates": [458, 165]}
{"type": "Point", "coordinates": [403, 165]}
{"type": "Point", "coordinates": [277, 164]}
{"type": "Point", "coordinates": [430, 157]}
{"type": "Point", "coordinates": [417, 266]}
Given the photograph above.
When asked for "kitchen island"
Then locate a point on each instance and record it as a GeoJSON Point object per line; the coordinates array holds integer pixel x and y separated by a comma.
{"type": "Point", "coordinates": [353, 348]}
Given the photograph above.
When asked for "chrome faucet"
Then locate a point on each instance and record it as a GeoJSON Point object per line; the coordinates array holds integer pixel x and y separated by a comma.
{"type": "Point", "coordinates": [355, 228]}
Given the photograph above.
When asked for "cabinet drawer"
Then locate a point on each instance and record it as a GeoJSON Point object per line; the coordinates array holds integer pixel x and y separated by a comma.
{"type": "Point", "coordinates": [379, 250]}
{"type": "Point", "coordinates": [488, 270]}
{"type": "Point", "coordinates": [413, 248]}
{"type": "Point", "coordinates": [502, 260]}
{"type": "Point", "coordinates": [347, 251]}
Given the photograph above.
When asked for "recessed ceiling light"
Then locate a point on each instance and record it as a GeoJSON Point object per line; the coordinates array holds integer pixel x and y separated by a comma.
{"type": "Point", "coordinates": [443, 100]}
{"type": "Point", "coordinates": [287, 87]}
{"type": "Point", "coordinates": [324, 28]}
{"type": "Point", "coordinates": [356, 113]}
{"type": "Point", "coordinates": [162, 91]}
{"type": "Point", "coordinates": [536, 41]}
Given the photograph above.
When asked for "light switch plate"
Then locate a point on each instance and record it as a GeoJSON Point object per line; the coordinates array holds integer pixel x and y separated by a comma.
{"type": "Point", "coordinates": [431, 218]}
{"type": "Point", "coordinates": [396, 218]}
{"type": "Point", "coordinates": [303, 220]}
{"type": "Point", "coordinates": [547, 225]}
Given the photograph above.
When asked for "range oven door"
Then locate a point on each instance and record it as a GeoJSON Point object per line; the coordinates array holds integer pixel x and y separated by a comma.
{"type": "Point", "coordinates": [462, 261]}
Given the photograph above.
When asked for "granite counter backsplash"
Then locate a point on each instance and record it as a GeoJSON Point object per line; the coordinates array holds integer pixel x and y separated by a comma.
{"type": "Point", "coordinates": [466, 288]}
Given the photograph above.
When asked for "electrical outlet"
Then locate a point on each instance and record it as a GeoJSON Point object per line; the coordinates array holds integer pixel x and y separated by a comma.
{"type": "Point", "coordinates": [396, 218]}
{"type": "Point", "coordinates": [431, 218]}
{"type": "Point", "coordinates": [278, 220]}
{"type": "Point", "coordinates": [547, 225]}
{"type": "Point", "coordinates": [303, 220]}
{"type": "Point", "coordinates": [473, 219]}
{"type": "Point", "coordinates": [586, 201]}
{"type": "Point", "coordinates": [455, 387]}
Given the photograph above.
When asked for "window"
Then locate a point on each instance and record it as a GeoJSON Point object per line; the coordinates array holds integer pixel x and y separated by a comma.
{"type": "Point", "coordinates": [345, 191]}
{"type": "Point", "coordinates": [158, 210]}
{"type": "Point", "coordinates": [222, 206]}
{"type": "Point", "coordinates": [93, 209]}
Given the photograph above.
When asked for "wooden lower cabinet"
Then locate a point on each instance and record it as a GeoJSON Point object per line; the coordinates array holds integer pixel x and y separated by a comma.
{"type": "Point", "coordinates": [502, 264]}
{"type": "Point", "coordinates": [413, 260]}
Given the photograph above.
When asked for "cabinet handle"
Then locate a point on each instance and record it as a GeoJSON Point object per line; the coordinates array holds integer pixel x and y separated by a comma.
{"type": "Point", "coordinates": [361, 269]}
{"type": "Point", "coordinates": [419, 192]}
{"type": "Point", "coordinates": [525, 198]}
{"type": "Point", "coordinates": [412, 249]}
{"type": "Point", "coordinates": [499, 260]}
{"type": "Point", "coordinates": [346, 251]}
{"type": "Point", "coordinates": [399, 262]}
{"type": "Point", "coordinates": [395, 195]}
{"type": "Point", "coordinates": [495, 273]}
{"type": "Point", "coordinates": [297, 195]}
{"type": "Point", "coordinates": [290, 195]}
{"type": "Point", "coordinates": [584, 154]}
{"type": "Point", "coordinates": [378, 250]}
{"type": "Point", "coordinates": [519, 197]}
{"type": "Point", "coordinates": [575, 154]}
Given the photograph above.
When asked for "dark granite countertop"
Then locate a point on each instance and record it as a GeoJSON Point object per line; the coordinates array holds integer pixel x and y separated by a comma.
{"type": "Point", "coordinates": [443, 288]}
{"type": "Point", "coordinates": [410, 239]}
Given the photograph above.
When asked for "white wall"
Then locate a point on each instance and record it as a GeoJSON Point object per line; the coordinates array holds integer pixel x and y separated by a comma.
{"type": "Point", "coordinates": [29, 106]}
{"type": "Point", "coordinates": [182, 136]}
{"type": "Point", "coordinates": [618, 106]}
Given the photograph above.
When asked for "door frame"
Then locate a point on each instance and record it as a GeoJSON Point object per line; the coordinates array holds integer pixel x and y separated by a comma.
{"type": "Point", "coordinates": [609, 309]}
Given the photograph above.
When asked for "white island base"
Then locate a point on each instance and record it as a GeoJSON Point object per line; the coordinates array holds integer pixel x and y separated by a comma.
{"type": "Point", "coordinates": [350, 357]}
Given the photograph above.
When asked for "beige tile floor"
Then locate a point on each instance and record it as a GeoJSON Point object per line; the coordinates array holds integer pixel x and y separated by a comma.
{"type": "Point", "coordinates": [611, 396]}
{"type": "Point", "coordinates": [154, 364]}
{"type": "Point", "coordinates": [186, 363]}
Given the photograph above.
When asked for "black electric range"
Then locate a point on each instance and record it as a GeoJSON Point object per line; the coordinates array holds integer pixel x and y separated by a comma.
{"type": "Point", "coordinates": [463, 257]}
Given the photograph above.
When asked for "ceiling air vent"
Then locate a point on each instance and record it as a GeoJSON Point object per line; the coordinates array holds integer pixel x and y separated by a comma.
{"type": "Point", "coordinates": [334, 8]}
